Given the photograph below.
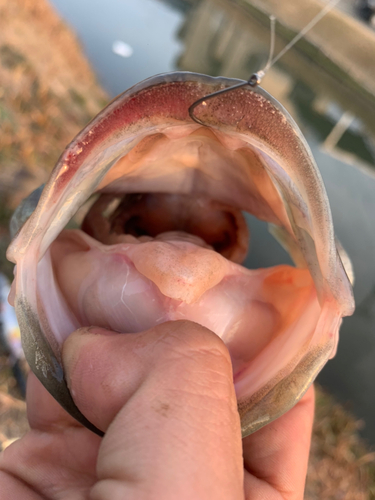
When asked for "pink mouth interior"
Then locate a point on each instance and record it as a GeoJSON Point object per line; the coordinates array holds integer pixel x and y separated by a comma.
{"type": "Point", "coordinates": [129, 283]}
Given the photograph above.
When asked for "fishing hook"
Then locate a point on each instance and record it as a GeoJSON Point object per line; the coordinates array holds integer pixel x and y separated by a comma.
{"type": "Point", "coordinates": [256, 78]}
{"type": "Point", "coordinates": [253, 81]}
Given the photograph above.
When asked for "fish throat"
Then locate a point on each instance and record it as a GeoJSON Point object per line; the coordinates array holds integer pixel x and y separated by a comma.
{"type": "Point", "coordinates": [163, 216]}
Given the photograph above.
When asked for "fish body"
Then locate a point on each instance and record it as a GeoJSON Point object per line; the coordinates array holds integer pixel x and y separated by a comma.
{"type": "Point", "coordinates": [165, 236]}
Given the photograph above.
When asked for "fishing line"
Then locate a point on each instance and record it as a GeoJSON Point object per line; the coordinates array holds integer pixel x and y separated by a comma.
{"type": "Point", "coordinates": [257, 77]}
{"type": "Point", "coordinates": [330, 5]}
{"type": "Point", "coordinates": [270, 61]}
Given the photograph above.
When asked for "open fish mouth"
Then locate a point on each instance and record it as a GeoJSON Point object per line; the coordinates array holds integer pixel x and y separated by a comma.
{"type": "Point", "coordinates": [164, 238]}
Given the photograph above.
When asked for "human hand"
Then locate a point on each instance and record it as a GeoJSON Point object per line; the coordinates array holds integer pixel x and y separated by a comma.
{"type": "Point", "coordinates": [166, 400]}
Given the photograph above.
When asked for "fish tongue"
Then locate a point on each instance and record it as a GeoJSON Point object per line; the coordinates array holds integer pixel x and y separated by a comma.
{"type": "Point", "coordinates": [181, 270]}
{"type": "Point", "coordinates": [109, 285]}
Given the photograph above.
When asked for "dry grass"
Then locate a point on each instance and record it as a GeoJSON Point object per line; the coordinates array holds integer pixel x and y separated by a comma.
{"type": "Point", "coordinates": [47, 94]}
{"type": "Point", "coordinates": [341, 466]}
{"type": "Point", "coordinates": [13, 421]}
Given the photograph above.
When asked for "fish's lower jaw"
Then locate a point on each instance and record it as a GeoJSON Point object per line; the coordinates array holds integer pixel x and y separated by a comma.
{"type": "Point", "coordinates": [283, 391]}
{"type": "Point", "coordinates": [261, 315]}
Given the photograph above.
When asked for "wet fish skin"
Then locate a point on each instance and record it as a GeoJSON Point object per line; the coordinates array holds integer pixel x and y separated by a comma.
{"type": "Point", "coordinates": [24, 210]}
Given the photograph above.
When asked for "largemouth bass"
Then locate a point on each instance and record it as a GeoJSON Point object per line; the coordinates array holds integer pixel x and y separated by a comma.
{"type": "Point", "coordinates": [164, 238]}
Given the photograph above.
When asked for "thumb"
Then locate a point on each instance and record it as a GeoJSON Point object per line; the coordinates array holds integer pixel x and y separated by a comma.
{"type": "Point", "coordinates": [165, 398]}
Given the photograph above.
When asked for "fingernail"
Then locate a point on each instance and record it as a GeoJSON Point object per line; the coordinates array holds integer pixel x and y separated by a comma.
{"type": "Point", "coordinates": [73, 345]}
{"type": "Point", "coordinates": [71, 350]}
{"type": "Point", "coordinates": [96, 330]}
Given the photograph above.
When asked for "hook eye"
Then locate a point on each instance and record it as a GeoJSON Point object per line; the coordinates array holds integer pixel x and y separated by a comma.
{"type": "Point", "coordinates": [253, 81]}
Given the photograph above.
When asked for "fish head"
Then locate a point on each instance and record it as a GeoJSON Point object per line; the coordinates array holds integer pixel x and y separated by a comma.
{"type": "Point", "coordinates": [164, 236]}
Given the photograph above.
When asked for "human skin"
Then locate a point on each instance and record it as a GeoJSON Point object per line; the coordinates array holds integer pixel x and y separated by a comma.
{"type": "Point", "coordinates": [166, 401]}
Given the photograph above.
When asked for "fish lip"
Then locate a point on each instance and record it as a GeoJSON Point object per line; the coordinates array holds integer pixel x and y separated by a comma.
{"type": "Point", "coordinates": [30, 237]}
{"type": "Point", "coordinates": [44, 363]}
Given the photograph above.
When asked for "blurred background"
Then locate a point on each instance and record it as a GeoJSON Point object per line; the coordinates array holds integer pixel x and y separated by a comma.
{"type": "Point", "coordinates": [62, 61]}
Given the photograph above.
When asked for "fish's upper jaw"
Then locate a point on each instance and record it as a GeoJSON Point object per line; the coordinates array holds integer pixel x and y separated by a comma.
{"type": "Point", "coordinates": [158, 109]}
